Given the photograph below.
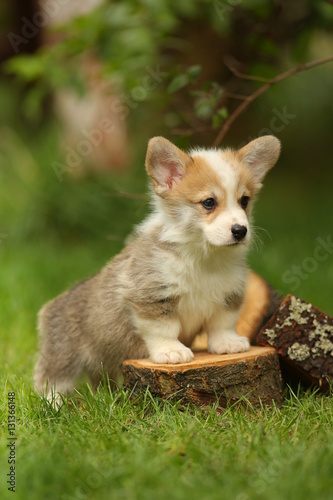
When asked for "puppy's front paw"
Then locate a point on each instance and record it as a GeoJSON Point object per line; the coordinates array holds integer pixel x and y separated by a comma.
{"type": "Point", "coordinates": [228, 343]}
{"type": "Point", "coordinates": [175, 354]}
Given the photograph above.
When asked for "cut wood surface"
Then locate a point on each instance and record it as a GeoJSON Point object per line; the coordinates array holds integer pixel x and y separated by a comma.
{"type": "Point", "coordinates": [253, 375]}
{"type": "Point", "coordinates": [303, 338]}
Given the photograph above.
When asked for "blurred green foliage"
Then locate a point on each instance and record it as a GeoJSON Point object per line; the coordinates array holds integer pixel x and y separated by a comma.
{"type": "Point", "coordinates": [128, 36]}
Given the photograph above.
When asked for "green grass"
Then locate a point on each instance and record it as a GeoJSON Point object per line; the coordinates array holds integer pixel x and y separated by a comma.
{"type": "Point", "coordinates": [114, 446]}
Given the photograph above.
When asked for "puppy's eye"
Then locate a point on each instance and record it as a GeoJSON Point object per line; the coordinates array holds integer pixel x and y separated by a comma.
{"type": "Point", "coordinates": [209, 203]}
{"type": "Point", "coordinates": [244, 201]}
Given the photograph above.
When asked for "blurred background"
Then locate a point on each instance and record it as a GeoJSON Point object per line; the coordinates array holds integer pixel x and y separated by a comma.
{"type": "Point", "coordinates": [84, 85]}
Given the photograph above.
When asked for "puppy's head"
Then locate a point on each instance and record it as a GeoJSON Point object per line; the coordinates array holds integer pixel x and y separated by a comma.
{"type": "Point", "coordinates": [210, 193]}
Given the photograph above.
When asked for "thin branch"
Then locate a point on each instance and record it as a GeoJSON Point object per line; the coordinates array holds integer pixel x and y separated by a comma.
{"type": "Point", "coordinates": [131, 196]}
{"type": "Point", "coordinates": [229, 62]}
{"type": "Point", "coordinates": [240, 97]}
{"type": "Point", "coordinates": [242, 107]}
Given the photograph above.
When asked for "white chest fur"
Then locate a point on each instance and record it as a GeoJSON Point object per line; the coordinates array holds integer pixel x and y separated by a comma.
{"type": "Point", "coordinates": [203, 285]}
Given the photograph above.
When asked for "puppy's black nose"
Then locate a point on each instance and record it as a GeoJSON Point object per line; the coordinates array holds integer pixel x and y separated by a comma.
{"type": "Point", "coordinates": [238, 231]}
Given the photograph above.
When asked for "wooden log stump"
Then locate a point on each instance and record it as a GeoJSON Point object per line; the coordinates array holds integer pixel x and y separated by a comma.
{"type": "Point", "coordinates": [303, 338]}
{"type": "Point", "coordinates": [253, 376]}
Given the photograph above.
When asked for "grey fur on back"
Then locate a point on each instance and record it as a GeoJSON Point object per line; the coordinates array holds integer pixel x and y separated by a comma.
{"type": "Point", "coordinates": [90, 325]}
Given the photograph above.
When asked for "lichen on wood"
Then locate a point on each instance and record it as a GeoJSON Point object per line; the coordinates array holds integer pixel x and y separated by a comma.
{"type": "Point", "coordinates": [303, 337]}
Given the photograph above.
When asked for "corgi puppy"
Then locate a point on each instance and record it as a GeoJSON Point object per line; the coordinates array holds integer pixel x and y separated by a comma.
{"type": "Point", "coordinates": [183, 271]}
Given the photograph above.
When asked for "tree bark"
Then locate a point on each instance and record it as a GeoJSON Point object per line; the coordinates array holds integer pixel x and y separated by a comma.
{"type": "Point", "coordinates": [252, 378]}
{"type": "Point", "coordinates": [303, 338]}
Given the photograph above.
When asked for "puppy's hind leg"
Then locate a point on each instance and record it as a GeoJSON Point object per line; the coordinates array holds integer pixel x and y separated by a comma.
{"type": "Point", "coordinates": [61, 358]}
{"type": "Point", "coordinates": [54, 388]}
{"type": "Point", "coordinates": [107, 376]}
{"type": "Point", "coordinates": [53, 380]}
{"type": "Point", "coordinates": [55, 393]}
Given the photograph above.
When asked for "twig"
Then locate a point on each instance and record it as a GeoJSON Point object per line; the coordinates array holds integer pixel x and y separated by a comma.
{"type": "Point", "coordinates": [228, 61]}
{"type": "Point", "coordinates": [240, 97]}
{"type": "Point", "coordinates": [132, 196]}
{"type": "Point", "coordinates": [242, 107]}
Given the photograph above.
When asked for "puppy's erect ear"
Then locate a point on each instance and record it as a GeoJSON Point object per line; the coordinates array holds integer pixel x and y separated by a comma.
{"type": "Point", "coordinates": [260, 155]}
{"type": "Point", "coordinates": [165, 164]}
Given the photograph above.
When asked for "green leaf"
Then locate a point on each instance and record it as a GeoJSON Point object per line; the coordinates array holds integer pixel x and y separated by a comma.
{"type": "Point", "coordinates": [28, 67]}
{"type": "Point", "coordinates": [178, 82]}
{"type": "Point", "coordinates": [193, 72]}
{"type": "Point", "coordinates": [223, 112]}
{"type": "Point", "coordinates": [203, 109]}
{"type": "Point", "coordinates": [220, 116]}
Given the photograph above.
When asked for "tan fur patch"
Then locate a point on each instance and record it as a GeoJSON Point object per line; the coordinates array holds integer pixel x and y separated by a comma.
{"type": "Point", "coordinates": [260, 155]}
{"type": "Point", "coordinates": [247, 185]}
{"type": "Point", "coordinates": [161, 151]}
{"type": "Point", "coordinates": [199, 183]}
